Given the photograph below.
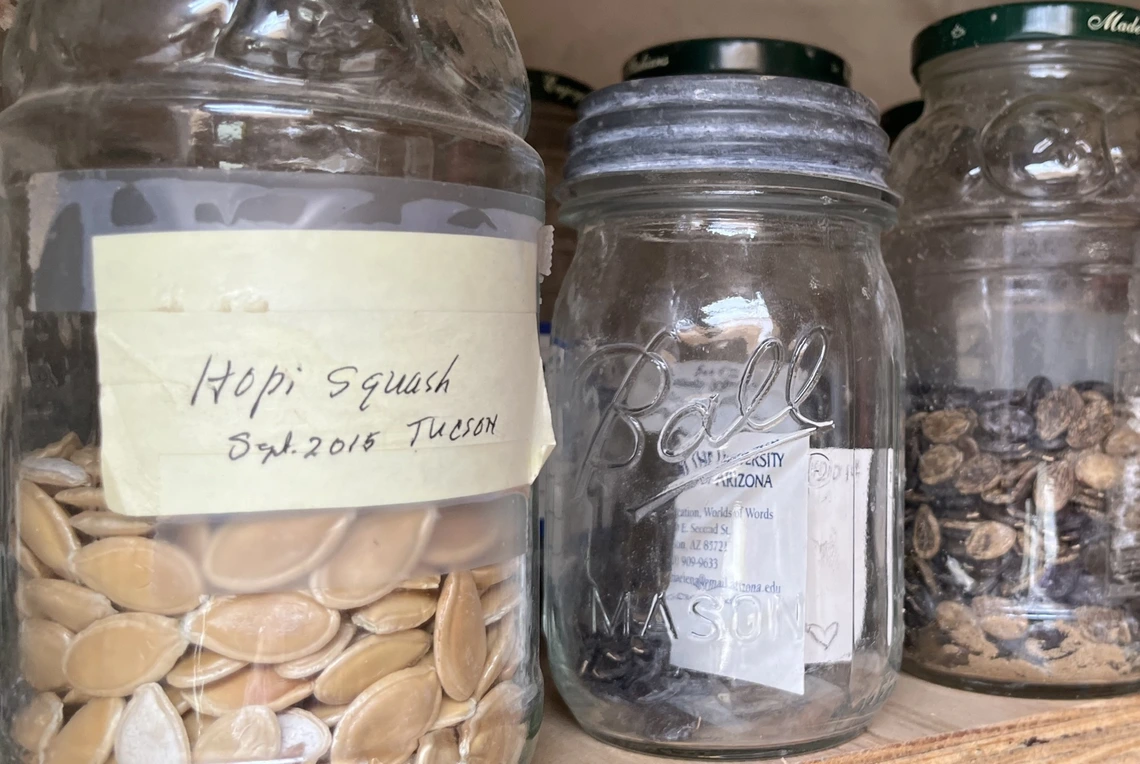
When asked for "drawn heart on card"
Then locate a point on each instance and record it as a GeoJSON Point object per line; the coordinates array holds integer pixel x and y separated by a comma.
{"type": "Point", "coordinates": [824, 636]}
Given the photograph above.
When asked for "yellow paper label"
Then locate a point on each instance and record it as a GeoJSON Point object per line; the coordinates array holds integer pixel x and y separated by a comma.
{"type": "Point", "coordinates": [250, 371]}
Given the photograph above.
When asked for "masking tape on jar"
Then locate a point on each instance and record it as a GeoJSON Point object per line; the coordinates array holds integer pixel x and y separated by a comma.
{"type": "Point", "coordinates": [249, 371]}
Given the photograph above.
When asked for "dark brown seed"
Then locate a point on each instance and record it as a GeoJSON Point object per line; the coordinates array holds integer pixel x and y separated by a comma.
{"type": "Point", "coordinates": [946, 426]}
{"type": "Point", "coordinates": [1124, 441]}
{"type": "Point", "coordinates": [1098, 471]}
{"type": "Point", "coordinates": [1055, 486]}
{"type": "Point", "coordinates": [1057, 411]}
{"type": "Point", "coordinates": [980, 474]}
{"type": "Point", "coordinates": [1094, 424]}
{"type": "Point", "coordinates": [990, 540]}
{"type": "Point", "coordinates": [1013, 475]}
{"type": "Point", "coordinates": [927, 536]}
{"type": "Point", "coordinates": [939, 464]}
{"type": "Point", "coordinates": [968, 446]}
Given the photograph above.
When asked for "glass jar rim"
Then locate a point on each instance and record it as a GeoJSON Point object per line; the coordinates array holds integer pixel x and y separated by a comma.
{"type": "Point", "coordinates": [749, 192]}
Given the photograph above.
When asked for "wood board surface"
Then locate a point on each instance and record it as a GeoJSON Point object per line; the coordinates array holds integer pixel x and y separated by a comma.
{"type": "Point", "coordinates": [927, 723]}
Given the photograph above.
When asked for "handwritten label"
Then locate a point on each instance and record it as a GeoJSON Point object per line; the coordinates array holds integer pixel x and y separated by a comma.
{"type": "Point", "coordinates": [253, 371]}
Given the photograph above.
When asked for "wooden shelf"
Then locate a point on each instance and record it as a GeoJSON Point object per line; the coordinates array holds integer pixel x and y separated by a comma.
{"type": "Point", "coordinates": [967, 727]}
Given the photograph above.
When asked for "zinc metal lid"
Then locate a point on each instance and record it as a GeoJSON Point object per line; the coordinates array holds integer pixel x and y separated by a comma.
{"type": "Point", "coordinates": [551, 87]}
{"type": "Point", "coordinates": [739, 55]}
{"type": "Point", "coordinates": [1026, 22]}
{"type": "Point", "coordinates": [730, 123]}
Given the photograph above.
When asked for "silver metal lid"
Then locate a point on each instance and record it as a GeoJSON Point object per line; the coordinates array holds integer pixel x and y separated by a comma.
{"type": "Point", "coordinates": [731, 123]}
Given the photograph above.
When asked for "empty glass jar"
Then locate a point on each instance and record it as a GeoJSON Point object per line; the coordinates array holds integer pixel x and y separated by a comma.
{"type": "Point", "coordinates": [1015, 266]}
{"type": "Point", "coordinates": [276, 400]}
{"type": "Point", "coordinates": [726, 382]}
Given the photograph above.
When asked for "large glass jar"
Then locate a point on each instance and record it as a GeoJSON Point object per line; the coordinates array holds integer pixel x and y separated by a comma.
{"type": "Point", "coordinates": [726, 383]}
{"type": "Point", "coordinates": [270, 289]}
{"type": "Point", "coordinates": [1015, 263]}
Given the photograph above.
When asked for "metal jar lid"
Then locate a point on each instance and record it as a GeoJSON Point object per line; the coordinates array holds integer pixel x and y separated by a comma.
{"type": "Point", "coordinates": [551, 87]}
{"type": "Point", "coordinates": [1026, 22]}
{"type": "Point", "coordinates": [739, 55]}
{"type": "Point", "coordinates": [731, 123]}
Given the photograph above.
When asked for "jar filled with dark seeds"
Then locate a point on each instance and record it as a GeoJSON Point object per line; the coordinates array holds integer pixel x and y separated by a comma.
{"type": "Point", "coordinates": [1013, 263]}
{"type": "Point", "coordinates": [721, 576]}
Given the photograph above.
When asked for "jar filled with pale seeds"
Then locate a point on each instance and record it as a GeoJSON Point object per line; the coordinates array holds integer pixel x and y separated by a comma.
{"type": "Point", "coordinates": [1015, 263]}
{"type": "Point", "coordinates": [276, 401]}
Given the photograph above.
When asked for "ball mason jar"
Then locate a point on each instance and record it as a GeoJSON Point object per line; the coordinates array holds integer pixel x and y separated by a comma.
{"type": "Point", "coordinates": [1015, 266]}
{"type": "Point", "coordinates": [270, 289]}
{"type": "Point", "coordinates": [720, 563]}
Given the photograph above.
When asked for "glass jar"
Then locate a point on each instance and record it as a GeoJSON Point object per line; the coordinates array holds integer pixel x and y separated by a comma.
{"type": "Point", "coordinates": [726, 388]}
{"type": "Point", "coordinates": [1015, 266]}
{"type": "Point", "coordinates": [277, 398]}
{"type": "Point", "coordinates": [554, 108]}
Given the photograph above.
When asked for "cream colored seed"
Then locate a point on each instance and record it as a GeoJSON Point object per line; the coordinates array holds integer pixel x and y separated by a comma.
{"type": "Point", "coordinates": [29, 564]}
{"type": "Point", "coordinates": [55, 472]}
{"type": "Point", "coordinates": [496, 745]}
{"type": "Point", "coordinates": [421, 583]}
{"type": "Point", "coordinates": [151, 730]}
{"type": "Point", "coordinates": [460, 637]}
{"type": "Point", "coordinates": [247, 734]}
{"type": "Point", "coordinates": [193, 538]}
{"type": "Point", "coordinates": [262, 628]}
{"type": "Point", "coordinates": [469, 534]}
{"type": "Point", "coordinates": [68, 604]}
{"type": "Point", "coordinates": [330, 715]}
{"type": "Point", "coordinates": [489, 575]}
{"type": "Point", "coordinates": [114, 656]}
{"type": "Point", "coordinates": [195, 723]}
{"type": "Point", "coordinates": [252, 686]}
{"type": "Point", "coordinates": [83, 498]}
{"type": "Point", "coordinates": [454, 712]}
{"type": "Point", "coordinates": [37, 723]}
{"type": "Point", "coordinates": [503, 706]}
{"type": "Point", "coordinates": [380, 550]}
{"type": "Point", "coordinates": [397, 611]}
{"type": "Point", "coordinates": [45, 528]}
{"type": "Point", "coordinates": [502, 639]}
{"type": "Point", "coordinates": [43, 645]}
{"type": "Point", "coordinates": [501, 599]}
{"type": "Point", "coordinates": [367, 661]}
{"type": "Point", "coordinates": [88, 458]}
{"type": "Point", "coordinates": [257, 555]}
{"type": "Point", "coordinates": [304, 737]}
{"type": "Point", "coordinates": [387, 720]}
{"type": "Point", "coordinates": [199, 667]}
{"type": "Point", "coordinates": [177, 699]}
{"type": "Point", "coordinates": [103, 524]}
{"type": "Point", "coordinates": [140, 574]}
{"type": "Point", "coordinates": [440, 747]}
{"type": "Point", "coordinates": [61, 449]}
{"type": "Point", "coordinates": [76, 698]}
{"type": "Point", "coordinates": [89, 736]}
{"type": "Point", "coordinates": [310, 665]}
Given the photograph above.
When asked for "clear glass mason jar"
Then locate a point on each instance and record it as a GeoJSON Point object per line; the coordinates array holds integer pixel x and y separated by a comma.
{"type": "Point", "coordinates": [720, 564]}
{"type": "Point", "coordinates": [1015, 266]}
{"type": "Point", "coordinates": [276, 399]}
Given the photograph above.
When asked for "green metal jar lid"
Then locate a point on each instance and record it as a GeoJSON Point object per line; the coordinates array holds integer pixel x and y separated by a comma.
{"type": "Point", "coordinates": [725, 55]}
{"type": "Point", "coordinates": [550, 87]}
{"type": "Point", "coordinates": [1026, 22]}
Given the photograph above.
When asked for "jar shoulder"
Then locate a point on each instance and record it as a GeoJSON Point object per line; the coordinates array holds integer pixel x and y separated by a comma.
{"type": "Point", "coordinates": [1064, 154]}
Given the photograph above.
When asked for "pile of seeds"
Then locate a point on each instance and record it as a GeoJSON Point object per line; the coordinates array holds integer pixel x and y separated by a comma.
{"type": "Point", "coordinates": [300, 637]}
{"type": "Point", "coordinates": [1012, 507]}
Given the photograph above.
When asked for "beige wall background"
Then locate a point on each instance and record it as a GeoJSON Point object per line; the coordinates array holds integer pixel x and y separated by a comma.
{"type": "Point", "coordinates": [590, 39]}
